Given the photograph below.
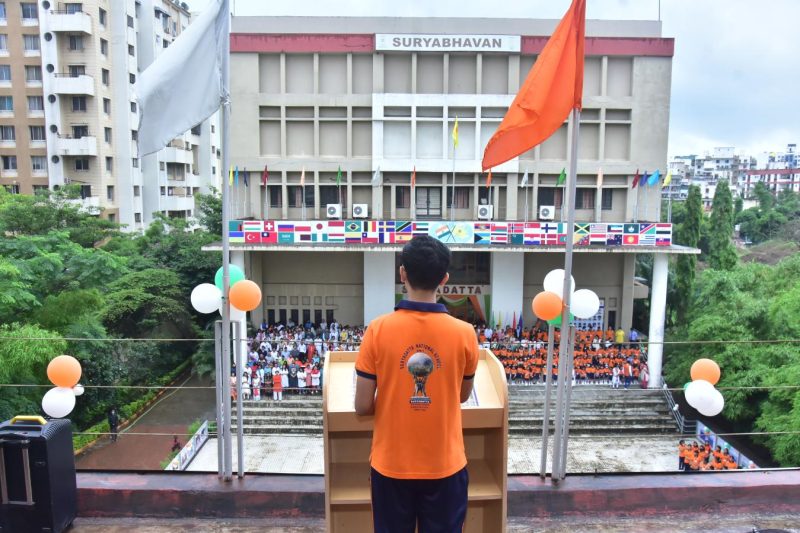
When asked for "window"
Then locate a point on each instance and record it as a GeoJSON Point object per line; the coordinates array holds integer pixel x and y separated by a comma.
{"type": "Point", "coordinates": [30, 43]}
{"type": "Point", "coordinates": [9, 162]}
{"type": "Point", "coordinates": [607, 199]}
{"type": "Point", "coordinates": [105, 75]}
{"type": "Point", "coordinates": [132, 78]}
{"type": "Point", "coordinates": [6, 103]}
{"type": "Point", "coordinates": [329, 194]}
{"type": "Point", "coordinates": [131, 50]}
{"type": "Point", "coordinates": [296, 196]}
{"type": "Point", "coordinates": [130, 21]}
{"type": "Point", "coordinates": [137, 191]}
{"type": "Point", "coordinates": [402, 197]}
{"type": "Point", "coordinates": [133, 107]}
{"type": "Point", "coordinates": [77, 70]}
{"type": "Point", "coordinates": [275, 196]}
{"type": "Point", "coordinates": [35, 103]}
{"type": "Point", "coordinates": [162, 166]}
{"type": "Point", "coordinates": [584, 198]}
{"type": "Point", "coordinates": [5, 72]}
{"type": "Point", "coordinates": [550, 196]}
{"type": "Point", "coordinates": [112, 217]}
{"type": "Point", "coordinates": [39, 189]}
{"type": "Point", "coordinates": [72, 8]}
{"type": "Point", "coordinates": [461, 200]}
{"type": "Point", "coordinates": [33, 73]}
{"type": "Point", "coordinates": [104, 47]}
{"type": "Point", "coordinates": [8, 134]}
{"type": "Point", "coordinates": [29, 10]}
{"type": "Point", "coordinates": [78, 132]}
{"type": "Point", "coordinates": [429, 202]}
{"type": "Point", "coordinates": [109, 166]}
{"type": "Point", "coordinates": [135, 163]}
{"type": "Point", "coordinates": [82, 164]}
{"type": "Point", "coordinates": [76, 42]}
{"type": "Point", "coordinates": [79, 103]}
{"type": "Point", "coordinates": [3, 42]}
{"type": "Point", "coordinates": [38, 163]}
{"type": "Point", "coordinates": [37, 133]}
{"type": "Point", "coordinates": [102, 17]}
{"type": "Point", "coordinates": [134, 135]}
{"type": "Point", "coordinates": [164, 43]}
{"type": "Point", "coordinates": [2, 10]}
{"type": "Point", "coordinates": [106, 106]}
{"type": "Point", "coordinates": [137, 217]}
{"type": "Point", "coordinates": [86, 191]}
{"type": "Point", "coordinates": [107, 135]}
{"type": "Point", "coordinates": [13, 189]}
{"type": "Point", "coordinates": [110, 192]}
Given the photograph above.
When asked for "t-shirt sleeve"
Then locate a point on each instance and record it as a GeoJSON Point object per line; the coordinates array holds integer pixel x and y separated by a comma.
{"type": "Point", "coordinates": [365, 362]}
{"type": "Point", "coordinates": [472, 355]}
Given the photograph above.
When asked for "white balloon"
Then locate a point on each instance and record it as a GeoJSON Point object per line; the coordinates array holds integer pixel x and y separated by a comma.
{"type": "Point", "coordinates": [699, 393]}
{"type": "Point", "coordinates": [58, 402]}
{"type": "Point", "coordinates": [236, 314]}
{"type": "Point", "coordinates": [554, 282]}
{"type": "Point", "coordinates": [206, 298]}
{"type": "Point", "coordinates": [584, 303]}
{"type": "Point", "coordinates": [715, 406]}
{"type": "Point", "coordinates": [77, 390]}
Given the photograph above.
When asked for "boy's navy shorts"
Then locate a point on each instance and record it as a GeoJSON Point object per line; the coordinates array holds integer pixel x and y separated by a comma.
{"type": "Point", "coordinates": [435, 505]}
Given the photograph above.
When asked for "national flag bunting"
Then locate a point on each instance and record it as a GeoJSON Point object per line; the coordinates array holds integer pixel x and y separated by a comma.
{"type": "Point", "coordinates": [635, 179]}
{"type": "Point", "coordinates": [414, 177]}
{"type": "Point", "coordinates": [562, 178]}
{"type": "Point", "coordinates": [489, 179]}
{"type": "Point", "coordinates": [654, 177]}
{"type": "Point", "coordinates": [339, 176]}
{"type": "Point", "coordinates": [265, 176]}
{"type": "Point", "coordinates": [667, 180]}
{"type": "Point", "coordinates": [455, 134]}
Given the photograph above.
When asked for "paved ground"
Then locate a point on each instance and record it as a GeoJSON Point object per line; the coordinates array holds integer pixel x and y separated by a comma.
{"type": "Point", "coordinates": [302, 454]}
{"type": "Point", "coordinates": [706, 523]}
{"type": "Point", "coordinates": [171, 415]}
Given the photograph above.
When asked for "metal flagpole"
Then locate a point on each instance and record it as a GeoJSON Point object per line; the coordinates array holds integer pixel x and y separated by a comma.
{"type": "Point", "coordinates": [548, 391]}
{"type": "Point", "coordinates": [220, 401]}
{"type": "Point", "coordinates": [226, 280]}
{"type": "Point", "coordinates": [237, 328]}
{"type": "Point", "coordinates": [453, 189]}
{"type": "Point", "coordinates": [525, 188]}
{"type": "Point", "coordinates": [567, 294]}
{"type": "Point", "coordinates": [567, 399]}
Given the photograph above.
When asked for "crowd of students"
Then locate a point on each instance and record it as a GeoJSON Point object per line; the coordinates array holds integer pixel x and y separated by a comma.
{"type": "Point", "coordinates": [696, 457]}
{"type": "Point", "coordinates": [601, 357]}
{"type": "Point", "coordinates": [290, 358]}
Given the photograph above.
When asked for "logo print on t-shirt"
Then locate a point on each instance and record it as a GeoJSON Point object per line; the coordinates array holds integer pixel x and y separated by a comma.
{"type": "Point", "coordinates": [420, 366]}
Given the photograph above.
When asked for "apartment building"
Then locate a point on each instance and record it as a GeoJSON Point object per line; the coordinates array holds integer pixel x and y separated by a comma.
{"type": "Point", "coordinates": [23, 151]}
{"type": "Point", "coordinates": [68, 111]}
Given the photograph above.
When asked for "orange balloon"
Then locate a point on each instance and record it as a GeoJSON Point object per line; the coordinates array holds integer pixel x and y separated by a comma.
{"type": "Point", "coordinates": [245, 295]}
{"type": "Point", "coordinates": [64, 371]}
{"type": "Point", "coordinates": [707, 370]}
{"type": "Point", "coordinates": [547, 305]}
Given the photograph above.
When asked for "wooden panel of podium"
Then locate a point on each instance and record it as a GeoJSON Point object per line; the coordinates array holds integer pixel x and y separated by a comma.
{"type": "Point", "coordinates": [348, 438]}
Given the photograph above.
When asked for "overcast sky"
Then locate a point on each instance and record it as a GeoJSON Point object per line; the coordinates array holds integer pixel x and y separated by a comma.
{"type": "Point", "coordinates": [735, 73]}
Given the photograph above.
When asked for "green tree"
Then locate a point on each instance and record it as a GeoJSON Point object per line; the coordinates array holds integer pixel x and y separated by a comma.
{"type": "Point", "coordinates": [764, 196]}
{"type": "Point", "coordinates": [688, 234]}
{"type": "Point", "coordinates": [209, 207]}
{"type": "Point", "coordinates": [15, 292]}
{"type": "Point", "coordinates": [721, 253]}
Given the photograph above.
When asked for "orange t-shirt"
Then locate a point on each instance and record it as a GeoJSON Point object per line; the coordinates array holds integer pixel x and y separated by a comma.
{"type": "Point", "coordinates": [419, 355]}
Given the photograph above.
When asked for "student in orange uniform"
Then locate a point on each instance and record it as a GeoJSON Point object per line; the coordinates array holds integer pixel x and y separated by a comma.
{"type": "Point", "coordinates": [422, 362]}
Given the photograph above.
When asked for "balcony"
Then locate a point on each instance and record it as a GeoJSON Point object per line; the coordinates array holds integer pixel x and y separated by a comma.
{"type": "Point", "coordinates": [69, 84]}
{"type": "Point", "coordinates": [67, 145]}
{"type": "Point", "coordinates": [65, 21]}
{"type": "Point", "coordinates": [172, 154]}
{"type": "Point", "coordinates": [177, 203]}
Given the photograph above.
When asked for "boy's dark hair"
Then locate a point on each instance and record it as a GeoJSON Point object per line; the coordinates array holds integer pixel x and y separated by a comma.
{"type": "Point", "coordinates": [426, 261]}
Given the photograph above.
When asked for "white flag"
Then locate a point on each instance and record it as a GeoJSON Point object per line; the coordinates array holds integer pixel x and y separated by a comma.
{"type": "Point", "coordinates": [188, 82]}
{"type": "Point", "coordinates": [524, 181]}
{"type": "Point", "coordinates": [376, 177]}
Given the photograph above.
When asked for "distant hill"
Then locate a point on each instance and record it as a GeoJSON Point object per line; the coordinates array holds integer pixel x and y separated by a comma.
{"type": "Point", "coordinates": [769, 252]}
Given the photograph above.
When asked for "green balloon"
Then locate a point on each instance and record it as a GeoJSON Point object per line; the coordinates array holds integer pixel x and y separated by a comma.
{"type": "Point", "coordinates": [557, 320]}
{"type": "Point", "coordinates": [686, 385]}
{"type": "Point", "coordinates": [234, 272]}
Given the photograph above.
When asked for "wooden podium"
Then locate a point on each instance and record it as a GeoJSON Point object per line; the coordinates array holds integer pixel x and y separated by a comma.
{"type": "Point", "coordinates": [348, 438]}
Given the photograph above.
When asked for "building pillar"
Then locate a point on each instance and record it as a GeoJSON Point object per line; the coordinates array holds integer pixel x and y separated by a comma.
{"type": "Point", "coordinates": [238, 259]}
{"type": "Point", "coordinates": [507, 279]}
{"type": "Point", "coordinates": [378, 284]}
{"type": "Point", "coordinates": [658, 308]}
{"type": "Point", "coordinates": [626, 307]}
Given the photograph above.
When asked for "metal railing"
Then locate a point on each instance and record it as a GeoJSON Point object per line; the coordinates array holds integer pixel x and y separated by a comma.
{"type": "Point", "coordinates": [685, 425]}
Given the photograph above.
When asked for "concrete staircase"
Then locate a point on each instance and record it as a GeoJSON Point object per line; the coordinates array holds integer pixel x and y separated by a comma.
{"type": "Point", "coordinates": [595, 410]}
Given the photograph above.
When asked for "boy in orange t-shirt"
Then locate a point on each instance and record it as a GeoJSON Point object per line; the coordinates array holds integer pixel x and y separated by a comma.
{"type": "Point", "coordinates": [422, 363]}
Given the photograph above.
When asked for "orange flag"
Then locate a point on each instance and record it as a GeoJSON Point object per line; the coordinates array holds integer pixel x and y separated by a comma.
{"type": "Point", "coordinates": [552, 89]}
{"type": "Point", "coordinates": [414, 177]}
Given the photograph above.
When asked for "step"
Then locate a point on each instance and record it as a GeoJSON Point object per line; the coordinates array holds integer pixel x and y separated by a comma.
{"type": "Point", "coordinates": [280, 430]}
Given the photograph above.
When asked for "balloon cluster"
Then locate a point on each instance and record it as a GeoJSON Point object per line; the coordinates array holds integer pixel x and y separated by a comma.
{"type": "Point", "coordinates": [701, 393]}
{"type": "Point", "coordinates": [64, 372]}
{"type": "Point", "coordinates": [244, 295]}
{"type": "Point", "coordinates": [548, 304]}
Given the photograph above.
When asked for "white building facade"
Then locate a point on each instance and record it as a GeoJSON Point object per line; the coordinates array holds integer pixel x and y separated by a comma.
{"type": "Point", "coordinates": [333, 118]}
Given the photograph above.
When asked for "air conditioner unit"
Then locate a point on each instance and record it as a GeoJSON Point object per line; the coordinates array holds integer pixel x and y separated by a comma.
{"type": "Point", "coordinates": [360, 210]}
{"type": "Point", "coordinates": [485, 212]}
{"type": "Point", "coordinates": [547, 212]}
{"type": "Point", "coordinates": [334, 210]}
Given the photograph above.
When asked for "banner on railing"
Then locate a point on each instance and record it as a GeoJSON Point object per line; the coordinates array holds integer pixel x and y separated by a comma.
{"type": "Point", "coordinates": [187, 453]}
{"type": "Point", "coordinates": [707, 435]}
{"type": "Point", "coordinates": [481, 233]}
